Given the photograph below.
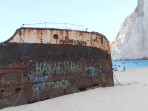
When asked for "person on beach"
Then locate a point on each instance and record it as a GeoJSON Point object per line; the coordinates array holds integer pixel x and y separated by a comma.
{"type": "Point", "coordinates": [124, 68]}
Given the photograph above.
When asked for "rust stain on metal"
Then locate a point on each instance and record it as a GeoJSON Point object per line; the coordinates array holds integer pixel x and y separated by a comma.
{"type": "Point", "coordinates": [46, 36]}
{"type": "Point", "coordinates": [38, 64]}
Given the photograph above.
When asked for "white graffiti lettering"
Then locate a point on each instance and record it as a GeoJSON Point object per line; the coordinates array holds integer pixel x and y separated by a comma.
{"type": "Point", "coordinates": [4, 101]}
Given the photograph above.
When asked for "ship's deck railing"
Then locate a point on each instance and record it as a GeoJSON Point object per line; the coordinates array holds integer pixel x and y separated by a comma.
{"type": "Point", "coordinates": [56, 25]}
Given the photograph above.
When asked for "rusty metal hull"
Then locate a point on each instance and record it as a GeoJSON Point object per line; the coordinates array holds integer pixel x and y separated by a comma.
{"type": "Point", "coordinates": [31, 72]}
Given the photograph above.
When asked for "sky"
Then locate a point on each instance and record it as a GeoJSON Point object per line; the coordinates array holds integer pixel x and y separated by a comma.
{"type": "Point", "coordinates": [103, 16]}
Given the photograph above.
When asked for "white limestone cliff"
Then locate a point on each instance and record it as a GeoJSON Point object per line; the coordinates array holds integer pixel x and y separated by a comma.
{"type": "Point", "coordinates": [132, 39]}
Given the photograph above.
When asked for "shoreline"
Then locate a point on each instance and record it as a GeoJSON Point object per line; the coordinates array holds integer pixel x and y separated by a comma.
{"type": "Point", "coordinates": [139, 75]}
{"type": "Point", "coordinates": [128, 59]}
{"type": "Point", "coordinates": [133, 69]}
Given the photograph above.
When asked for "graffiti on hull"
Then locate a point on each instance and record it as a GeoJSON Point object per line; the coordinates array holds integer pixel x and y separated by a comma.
{"type": "Point", "coordinates": [48, 75]}
{"type": "Point", "coordinates": [10, 83]}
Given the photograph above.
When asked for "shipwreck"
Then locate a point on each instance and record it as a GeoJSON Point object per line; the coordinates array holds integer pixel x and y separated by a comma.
{"type": "Point", "coordinates": [43, 63]}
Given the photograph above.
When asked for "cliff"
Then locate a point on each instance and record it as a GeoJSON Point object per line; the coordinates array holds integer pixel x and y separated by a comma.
{"type": "Point", "coordinates": [131, 41]}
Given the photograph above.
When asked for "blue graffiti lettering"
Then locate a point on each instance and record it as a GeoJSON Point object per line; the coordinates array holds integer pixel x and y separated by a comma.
{"type": "Point", "coordinates": [38, 79]}
{"type": "Point", "coordinates": [39, 88]}
{"type": "Point", "coordinates": [38, 68]}
{"type": "Point", "coordinates": [58, 68]}
{"type": "Point", "coordinates": [93, 71]}
{"type": "Point", "coordinates": [103, 77]}
{"type": "Point", "coordinates": [73, 66]}
{"type": "Point", "coordinates": [66, 66]}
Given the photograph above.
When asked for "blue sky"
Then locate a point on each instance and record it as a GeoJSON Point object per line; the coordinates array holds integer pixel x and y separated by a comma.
{"type": "Point", "coordinates": [104, 16]}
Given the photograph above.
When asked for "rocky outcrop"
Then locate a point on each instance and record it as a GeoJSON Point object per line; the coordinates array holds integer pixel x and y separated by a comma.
{"type": "Point", "coordinates": [132, 39]}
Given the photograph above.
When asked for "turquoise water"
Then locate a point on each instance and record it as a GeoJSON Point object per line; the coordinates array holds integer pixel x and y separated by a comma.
{"type": "Point", "coordinates": [130, 64]}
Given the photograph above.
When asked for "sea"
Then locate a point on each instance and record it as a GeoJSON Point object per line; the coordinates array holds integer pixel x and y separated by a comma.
{"type": "Point", "coordinates": [129, 64]}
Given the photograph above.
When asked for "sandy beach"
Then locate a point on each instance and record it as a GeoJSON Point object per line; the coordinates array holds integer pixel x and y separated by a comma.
{"type": "Point", "coordinates": [130, 93]}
